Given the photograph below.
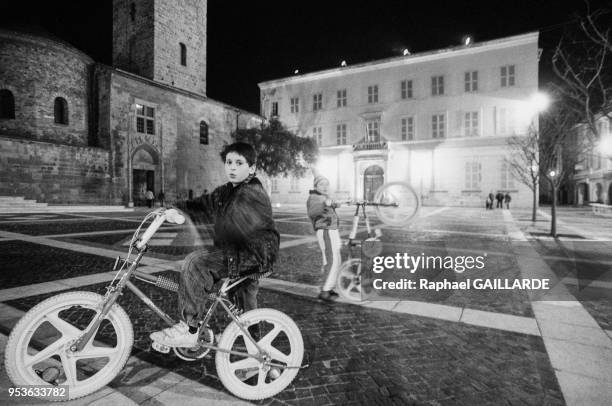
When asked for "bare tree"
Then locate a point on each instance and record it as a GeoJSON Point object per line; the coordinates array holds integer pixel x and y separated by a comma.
{"type": "Point", "coordinates": [582, 61]}
{"type": "Point", "coordinates": [557, 143]}
{"type": "Point", "coordinates": [524, 162]}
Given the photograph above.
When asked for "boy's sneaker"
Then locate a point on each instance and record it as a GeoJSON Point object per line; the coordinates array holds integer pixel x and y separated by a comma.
{"type": "Point", "coordinates": [176, 336]}
{"type": "Point", "coordinates": [327, 296]}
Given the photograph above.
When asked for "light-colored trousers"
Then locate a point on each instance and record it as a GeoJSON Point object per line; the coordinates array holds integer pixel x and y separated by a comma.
{"type": "Point", "coordinates": [329, 242]}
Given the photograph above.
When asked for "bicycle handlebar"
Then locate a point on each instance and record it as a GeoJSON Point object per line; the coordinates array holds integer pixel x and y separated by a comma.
{"type": "Point", "coordinates": [161, 215]}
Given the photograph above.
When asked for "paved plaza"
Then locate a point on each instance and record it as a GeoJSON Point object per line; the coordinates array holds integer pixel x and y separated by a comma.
{"type": "Point", "coordinates": [402, 347]}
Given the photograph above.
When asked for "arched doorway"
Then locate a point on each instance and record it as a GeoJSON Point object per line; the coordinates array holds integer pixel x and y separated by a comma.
{"type": "Point", "coordinates": [373, 178]}
{"type": "Point", "coordinates": [144, 167]}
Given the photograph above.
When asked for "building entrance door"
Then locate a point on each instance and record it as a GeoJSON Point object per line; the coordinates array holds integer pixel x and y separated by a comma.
{"type": "Point", "coordinates": [373, 178]}
{"type": "Point", "coordinates": [143, 180]}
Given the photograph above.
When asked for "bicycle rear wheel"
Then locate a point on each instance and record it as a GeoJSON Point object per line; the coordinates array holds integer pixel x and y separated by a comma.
{"type": "Point", "coordinates": [352, 283]}
{"type": "Point", "coordinates": [280, 339]}
{"type": "Point", "coordinates": [399, 203]}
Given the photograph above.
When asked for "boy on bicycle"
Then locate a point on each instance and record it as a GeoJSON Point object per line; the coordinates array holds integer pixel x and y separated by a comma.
{"type": "Point", "coordinates": [245, 235]}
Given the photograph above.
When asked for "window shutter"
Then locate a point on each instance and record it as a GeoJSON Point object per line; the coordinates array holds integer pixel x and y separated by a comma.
{"type": "Point", "coordinates": [459, 123]}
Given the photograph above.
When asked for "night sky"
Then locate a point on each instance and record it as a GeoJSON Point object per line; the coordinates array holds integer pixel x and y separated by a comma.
{"type": "Point", "coordinates": [252, 41]}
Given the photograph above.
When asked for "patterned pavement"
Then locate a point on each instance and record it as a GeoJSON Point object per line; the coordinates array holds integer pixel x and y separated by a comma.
{"type": "Point", "coordinates": [358, 355]}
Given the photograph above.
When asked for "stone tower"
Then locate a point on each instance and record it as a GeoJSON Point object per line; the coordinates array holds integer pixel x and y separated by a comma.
{"type": "Point", "coordinates": [162, 40]}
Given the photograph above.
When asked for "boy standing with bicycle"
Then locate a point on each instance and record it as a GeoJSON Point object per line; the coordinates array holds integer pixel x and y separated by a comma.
{"type": "Point", "coordinates": [246, 236]}
{"type": "Point", "coordinates": [322, 213]}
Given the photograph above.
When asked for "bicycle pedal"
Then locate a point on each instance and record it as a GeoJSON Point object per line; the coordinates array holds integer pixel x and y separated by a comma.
{"type": "Point", "coordinates": [160, 347]}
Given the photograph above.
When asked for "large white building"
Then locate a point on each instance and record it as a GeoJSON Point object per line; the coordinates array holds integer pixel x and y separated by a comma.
{"type": "Point", "coordinates": [438, 120]}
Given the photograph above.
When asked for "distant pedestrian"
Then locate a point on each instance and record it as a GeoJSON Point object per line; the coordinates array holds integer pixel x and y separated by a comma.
{"type": "Point", "coordinates": [490, 198]}
{"type": "Point", "coordinates": [150, 197]}
{"type": "Point", "coordinates": [161, 197]}
{"type": "Point", "coordinates": [500, 200]}
{"type": "Point", "coordinates": [507, 199]}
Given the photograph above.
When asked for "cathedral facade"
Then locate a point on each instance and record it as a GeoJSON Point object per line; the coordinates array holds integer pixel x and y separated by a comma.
{"type": "Point", "coordinates": [76, 131]}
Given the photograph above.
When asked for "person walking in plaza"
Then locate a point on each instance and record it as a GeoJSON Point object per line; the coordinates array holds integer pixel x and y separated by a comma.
{"type": "Point", "coordinates": [507, 200]}
{"type": "Point", "coordinates": [490, 198]}
{"type": "Point", "coordinates": [150, 197]}
{"type": "Point", "coordinates": [500, 200]}
{"type": "Point", "coordinates": [245, 236]}
{"type": "Point", "coordinates": [322, 213]}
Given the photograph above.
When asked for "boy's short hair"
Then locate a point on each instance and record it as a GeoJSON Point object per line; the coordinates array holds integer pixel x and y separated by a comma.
{"type": "Point", "coordinates": [240, 148]}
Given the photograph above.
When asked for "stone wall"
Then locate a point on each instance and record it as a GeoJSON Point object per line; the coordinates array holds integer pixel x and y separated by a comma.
{"type": "Point", "coordinates": [187, 164]}
{"type": "Point", "coordinates": [37, 70]}
{"type": "Point", "coordinates": [133, 36]}
{"type": "Point", "coordinates": [54, 173]}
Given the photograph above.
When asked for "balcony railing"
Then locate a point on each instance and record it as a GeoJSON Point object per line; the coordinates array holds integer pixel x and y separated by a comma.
{"type": "Point", "coordinates": [368, 146]}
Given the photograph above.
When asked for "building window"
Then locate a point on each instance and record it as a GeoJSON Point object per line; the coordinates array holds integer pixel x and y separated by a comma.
{"type": "Point", "coordinates": [60, 110]}
{"type": "Point", "coordinates": [7, 104]}
{"type": "Point", "coordinates": [294, 186]}
{"type": "Point", "coordinates": [473, 175]}
{"type": "Point", "coordinates": [406, 89]}
{"type": "Point", "coordinates": [603, 127]}
{"type": "Point", "coordinates": [145, 119]}
{"type": "Point", "coordinates": [274, 185]}
{"type": "Point", "coordinates": [373, 130]}
{"type": "Point", "coordinates": [341, 98]}
{"type": "Point", "coordinates": [507, 180]}
{"type": "Point", "coordinates": [437, 85]}
{"type": "Point", "coordinates": [295, 105]}
{"type": "Point", "coordinates": [470, 124]}
{"type": "Point", "coordinates": [203, 133]}
{"type": "Point", "coordinates": [471, 81]}
{"type": "Point", "coordinates": [505, 121]}
{"type": "Point", "coordinates": [183, 54]}
{"type": "Point", "coordinates": [317, 134]}
{"type": "Point", "coordinates": [317, 102]}
{"type": "Point", "coordinates": [373, 94]}
{"type": "Point", "coordinates": [438, 126]}
{"type": "Point", "coordinates": [341, 134]}
{"type": "Point", "coordinates": [274, 109]}
{"type": "Point", "coordinates": [407, 128]}
{"type": "Point", "coordinates": [507, 76]}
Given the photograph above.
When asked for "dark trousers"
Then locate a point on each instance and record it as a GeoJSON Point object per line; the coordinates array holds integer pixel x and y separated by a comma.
{"type": "Point", "coordinates": [200, 271]}
{"type": "Point", "coordinates": [499, 205]}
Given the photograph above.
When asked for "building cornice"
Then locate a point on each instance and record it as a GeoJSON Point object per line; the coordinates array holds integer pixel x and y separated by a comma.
{"type": "Point", "coordinates": [428, 56]}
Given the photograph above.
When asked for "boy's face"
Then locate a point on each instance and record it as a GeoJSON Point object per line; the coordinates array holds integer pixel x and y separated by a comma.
{"type": "Point", "coordinates": [237, 168]}
{"type": "Point", "coordinates": [322, 187]}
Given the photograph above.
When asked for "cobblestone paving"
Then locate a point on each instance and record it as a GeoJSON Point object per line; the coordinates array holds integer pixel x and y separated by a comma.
{"type": "Point", "coordinates": [362, 356]}
{"type": "Point", "coordinates": [25, 263]}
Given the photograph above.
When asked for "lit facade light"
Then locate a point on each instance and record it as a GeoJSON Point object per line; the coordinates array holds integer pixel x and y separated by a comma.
{"type": "Point", "coordinates": [605, 145]}
{"type": "Point", "coordinates": [406, 52]}
{"type": "Point", "coordinates": [540, 101]}
{"type": "Point", "coordinates": [343, 63]}
{"type": "Point", "coordinates": [467, 40]}
{"type": "Point", "coordinates": [295, 72]}
{"type": "Point", "coordinates": [552, 174]}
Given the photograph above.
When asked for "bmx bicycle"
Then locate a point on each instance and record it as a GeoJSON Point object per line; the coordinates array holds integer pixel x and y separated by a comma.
{"type": "Point", "coordinates": [82, 340]}
{"type": "Point", "coordinates": [395, 204]}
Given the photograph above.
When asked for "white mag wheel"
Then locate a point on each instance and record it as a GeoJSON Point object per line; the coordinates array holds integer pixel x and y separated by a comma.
{"type": "Point", "coordinates": [402, 200]}
{"type": "Point", "coordinates": [38, 349]}
{"type": "Point", "coordinates": [351, 283]}
{"type": "Point", "coordinates": [280, 339]}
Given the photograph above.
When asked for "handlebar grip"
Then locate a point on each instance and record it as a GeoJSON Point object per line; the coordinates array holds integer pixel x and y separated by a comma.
{"type": "Point", "coordinates": [173, 216]}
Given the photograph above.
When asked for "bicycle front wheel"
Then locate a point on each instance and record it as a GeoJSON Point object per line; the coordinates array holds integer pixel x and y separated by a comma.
{"type": "Point", "coordinates": [396, 203]}
{"type": "Point", "coordinates": [38, 349]}
{"type": "Point", "coordinates": [281, 340]}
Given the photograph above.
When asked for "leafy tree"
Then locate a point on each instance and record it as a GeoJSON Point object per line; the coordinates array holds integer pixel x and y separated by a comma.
{"type": "Point", "coordinates": [279, 151]}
